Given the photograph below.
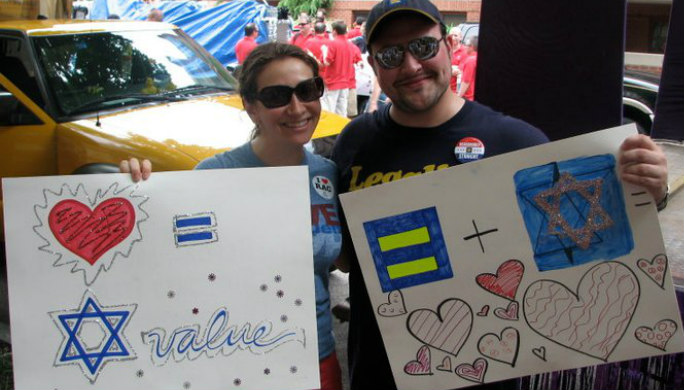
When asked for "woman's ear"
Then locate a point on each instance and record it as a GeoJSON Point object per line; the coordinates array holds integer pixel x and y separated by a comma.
{"type": "Point", "coordinates": [251, 110]}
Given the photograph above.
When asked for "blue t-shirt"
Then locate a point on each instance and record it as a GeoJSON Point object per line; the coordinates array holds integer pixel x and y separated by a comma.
{"type": "Point", "coordinates": [325, 225]}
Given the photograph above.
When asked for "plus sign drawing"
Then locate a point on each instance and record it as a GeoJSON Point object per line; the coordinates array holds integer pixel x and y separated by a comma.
{"type": "Point", "coordinates": [93, 335]}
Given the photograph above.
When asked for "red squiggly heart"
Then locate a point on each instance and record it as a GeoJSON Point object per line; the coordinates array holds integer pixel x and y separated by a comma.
{"type": "Point", "coordinates": [506, 281]}
{"type": "Point", "coordinates": [90, 234]}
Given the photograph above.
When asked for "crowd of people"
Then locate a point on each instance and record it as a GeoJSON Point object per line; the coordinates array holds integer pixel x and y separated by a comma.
{"type": "Point", "coordinates": [341, 53]}
{"type": "Point", "coordinates": [412, 55]}
{"type": "Point", "coordinates": [350, 87]}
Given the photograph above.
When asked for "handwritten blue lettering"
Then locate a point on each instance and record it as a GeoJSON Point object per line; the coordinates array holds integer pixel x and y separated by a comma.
{"type": "Point", "coordinates": [219, 337]}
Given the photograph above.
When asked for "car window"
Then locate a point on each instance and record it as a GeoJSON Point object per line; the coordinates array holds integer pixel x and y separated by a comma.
{"type": "Point", "coordinates": [85, 70]}
{"type": "Point", "coordinates": [13, 112]}
{"type": "Point", "coordinates": [15, 65]}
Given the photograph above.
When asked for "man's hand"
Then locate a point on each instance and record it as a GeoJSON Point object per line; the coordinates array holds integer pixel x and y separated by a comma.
{"type": "Point", "coordinates": [643, 163]}
{"type": "Point", "coordinates": [138, 170]}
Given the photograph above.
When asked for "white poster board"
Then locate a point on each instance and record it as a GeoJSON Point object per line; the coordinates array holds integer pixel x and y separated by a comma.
{"type": "Point", "coordinates": [529, 262]}
{"type": "Point", "coordinates": [190, 280]}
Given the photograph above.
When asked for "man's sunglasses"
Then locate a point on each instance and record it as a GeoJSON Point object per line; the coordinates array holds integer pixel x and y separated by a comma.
{"type": "Point", "coordinates": [422, 49]}
{"type": "Point", "coordinates": [281, 95]}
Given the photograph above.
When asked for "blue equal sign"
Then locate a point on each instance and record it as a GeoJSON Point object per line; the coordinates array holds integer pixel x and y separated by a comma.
{"type": "Point", "coordinates": [195, 229]}
{"type": "Point", "coordinates": [408, 249]}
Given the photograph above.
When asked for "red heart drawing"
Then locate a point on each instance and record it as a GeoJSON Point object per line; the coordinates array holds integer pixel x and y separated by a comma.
{"type": "Point", "coordinates": [90, 234]}
{"type": "Point", "coordinates": [473, 372]}
{"type": "Point", "coordinates": [324, 180]}
{"type": "Point", "coordinates": [506, 281]}
{"type": "Point", "coordinates": [420, 366]}
{"type": "Point", "coordinates": [659, 335]}
{"type": "Point", "coordinates": [654, 269]}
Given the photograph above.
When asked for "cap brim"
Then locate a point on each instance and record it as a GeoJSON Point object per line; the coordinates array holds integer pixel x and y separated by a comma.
{"type": "Point", "coordinates": [373, 29]}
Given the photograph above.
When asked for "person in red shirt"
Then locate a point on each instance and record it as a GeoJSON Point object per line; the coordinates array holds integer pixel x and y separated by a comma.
{"type": "Point", "coordinates": [247, 43]}
{"type": "Point", "coordinates": [458, 56]}
{"type": "Point", "coordinates": [318, 45]}
{"type": "Point", "coordinates": [304, 34]}
{"type": "Point", "coordinates": [340, 75]}
{"type": "Point", "coordinates": [356, 30]}
{"type": "Point", "coordinates": [467, 89]}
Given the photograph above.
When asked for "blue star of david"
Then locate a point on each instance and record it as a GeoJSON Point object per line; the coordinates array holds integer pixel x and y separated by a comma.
{"type": "Point", "coordinates": [114, 346]}
{"type": "Point", "coordinates": [574, 212]}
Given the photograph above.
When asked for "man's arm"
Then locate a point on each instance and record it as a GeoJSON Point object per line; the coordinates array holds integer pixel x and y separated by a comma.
{"type": "Point", "coordinates": [463, 88]}
{"type": "Point", "coordinates": [642, 162]}
{"type": "Point", "coordinates": [375, 95]}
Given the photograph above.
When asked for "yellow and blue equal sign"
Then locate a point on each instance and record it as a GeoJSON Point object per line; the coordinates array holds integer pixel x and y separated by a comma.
{"type": "Point", "coordinates": [408, 249]}
{"type": "Point", "coordinates": [194, 229]}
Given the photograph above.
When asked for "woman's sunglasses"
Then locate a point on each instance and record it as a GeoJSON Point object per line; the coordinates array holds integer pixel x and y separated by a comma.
{"type": "Point", "coordinates": [281, 95]}
{"type": "Point", "coordinates": [422, 49]}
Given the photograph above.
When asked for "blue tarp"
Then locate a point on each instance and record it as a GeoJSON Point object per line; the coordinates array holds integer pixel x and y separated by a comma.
{"type": "Point", "coordinates": [218, 29]}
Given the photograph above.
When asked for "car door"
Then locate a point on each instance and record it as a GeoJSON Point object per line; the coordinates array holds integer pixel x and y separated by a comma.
{"type": "Point", "coordinates": [27, 133]}
{"type": "Point", "coordinates": [27, 137]}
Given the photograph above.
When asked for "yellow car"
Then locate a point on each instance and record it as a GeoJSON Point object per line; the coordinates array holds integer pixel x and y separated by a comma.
{"type": "Point", "coordinates": [79, 96]}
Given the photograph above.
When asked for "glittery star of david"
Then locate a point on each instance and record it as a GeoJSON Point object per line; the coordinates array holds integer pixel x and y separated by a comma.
{"type": "Point", "coordinates": [595, 220]}
{"type": "Point", "coordinates": [93, 335]}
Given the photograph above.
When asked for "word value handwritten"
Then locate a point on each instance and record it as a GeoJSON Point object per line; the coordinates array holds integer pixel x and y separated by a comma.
{"type": "Point", "coordinates": [217, 338]}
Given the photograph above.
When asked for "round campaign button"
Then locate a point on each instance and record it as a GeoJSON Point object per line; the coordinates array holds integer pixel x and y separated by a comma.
{"type": "Point", "coordinates": [323, 187]}
{"type": "Point", "coordinates": [469, 149]}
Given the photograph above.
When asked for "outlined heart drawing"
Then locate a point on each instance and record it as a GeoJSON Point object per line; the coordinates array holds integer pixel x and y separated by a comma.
{"type": "Point", "coordinates": [420, 366]}
{"type": "Point", "coordinates": [540, 352]}
{"type": "Point", "coordinates": [506, 281]}
{"type": "Point", "coordinates": [502, 348]}
{"type": "Point", "coordinates": [446, 364]}
{"type": "Point", "coordinates": [592, 321]}
{"type": "Point", "coordinates": [395, 305]}
{"type": "Point", "coordinates": [473, 372]}
{"type": "Point", "coordinates": [656, 269]}
{"type": "Point", "coordinates": [447, 329]}
{"type": "Point", "coordinates": [91, 233]}
{"type": "Point", "coordinates": [659, 335]}
{"type": "Point", "coordinates": [510, 313]}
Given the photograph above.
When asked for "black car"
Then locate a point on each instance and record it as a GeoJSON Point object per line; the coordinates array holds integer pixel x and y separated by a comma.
{"type": "Point", "coordinates": [639, 93]}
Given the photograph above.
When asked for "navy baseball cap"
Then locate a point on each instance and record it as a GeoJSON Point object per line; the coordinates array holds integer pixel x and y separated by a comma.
{"type": "Point", "coordinates": [388, 7]}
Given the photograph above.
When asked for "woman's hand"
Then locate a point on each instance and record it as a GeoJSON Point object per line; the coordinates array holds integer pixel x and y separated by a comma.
{"type": "Point", "coordinates": [138, 170]}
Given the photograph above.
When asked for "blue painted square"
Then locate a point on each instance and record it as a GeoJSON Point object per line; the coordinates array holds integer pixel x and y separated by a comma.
{"type": "Point", "coordinates": [402, 223]}
{"type": "Point", "coordinates": [554, 251]}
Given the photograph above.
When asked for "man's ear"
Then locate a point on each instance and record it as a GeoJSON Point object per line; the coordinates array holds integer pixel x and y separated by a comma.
{"type": "Point", "coordinates": [371, 62]}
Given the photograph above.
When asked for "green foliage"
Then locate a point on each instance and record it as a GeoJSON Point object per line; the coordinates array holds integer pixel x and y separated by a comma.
{"type": "Point", "coordinates": [309, 6]}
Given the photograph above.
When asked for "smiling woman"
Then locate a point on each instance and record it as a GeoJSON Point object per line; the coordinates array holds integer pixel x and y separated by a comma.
{"type": "Point", "coordinates": [280, 89]}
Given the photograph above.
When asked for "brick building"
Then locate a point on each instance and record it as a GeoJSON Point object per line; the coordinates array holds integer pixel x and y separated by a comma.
{"type": "Point", "coordinates": [647, 22]}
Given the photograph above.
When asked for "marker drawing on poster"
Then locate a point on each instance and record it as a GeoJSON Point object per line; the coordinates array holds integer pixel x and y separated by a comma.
{"type": "Point", "coordinates": [186, 280]}
{"type": "Point", "coordinates": [520, 264]}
